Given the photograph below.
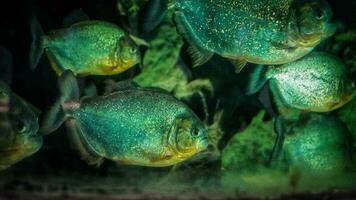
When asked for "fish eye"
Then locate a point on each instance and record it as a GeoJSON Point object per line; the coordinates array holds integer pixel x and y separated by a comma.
{"type": "Point", "coordinates": [319, 13]}
{"type": "Point", "coordinates": [21, 127]}
{"type": "Point", "coordinates": [194, 132]}
{"type": "Point", "coordinates": [133, 50]}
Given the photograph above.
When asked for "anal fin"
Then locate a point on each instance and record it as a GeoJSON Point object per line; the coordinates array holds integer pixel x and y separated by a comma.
{"type": "Point", "coordinates": [239, 64]}
{"type": "Point", "coordinates": [199, 56]}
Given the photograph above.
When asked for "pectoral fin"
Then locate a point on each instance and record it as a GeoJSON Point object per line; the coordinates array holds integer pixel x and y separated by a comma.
{"type": "Point", "coordinates": [139, 41]}
{"type": "Point", "coordinates": [256, 79]}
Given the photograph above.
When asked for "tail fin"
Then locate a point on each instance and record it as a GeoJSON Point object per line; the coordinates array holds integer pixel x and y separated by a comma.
{"type": "Point", "coordinates": [57, 114]}
{"type": "Point", "coordinates": [257, 79]}
{"type": "Point", "coordinates": [154, 13]}
{"type": "Point", "coordinates": [37, 48]}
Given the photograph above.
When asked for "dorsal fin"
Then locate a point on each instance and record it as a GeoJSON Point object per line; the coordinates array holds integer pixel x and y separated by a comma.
{"type": "Point", "coordinates": [112, 86]}
{"type": "Point", "coordinates": [73, 17]}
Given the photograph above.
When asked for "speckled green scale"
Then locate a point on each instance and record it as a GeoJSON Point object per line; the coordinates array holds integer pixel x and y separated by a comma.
{"type": "Point", "coordinates": [90, 47]}
{"type": "Point", "coordinates": [318, 145]}
{"type": "Point", "coordinates": [256, 31]}
{"type": "Point", "coordinates": [318, 82]}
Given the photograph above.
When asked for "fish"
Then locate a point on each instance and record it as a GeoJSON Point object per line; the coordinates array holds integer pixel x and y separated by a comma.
{"type": "Point", "coordinates": [318, 145]}
{"type": "Point", "coordinates": [89, 47]}
{"type": "Point", "coordinates": [252, 31]}
{"type": "Point", "coordinates": [318, 82]}
{"type": "Point", "coordinates": [19, 126]}
{"type": "Point", "coordinates": [129, 125]}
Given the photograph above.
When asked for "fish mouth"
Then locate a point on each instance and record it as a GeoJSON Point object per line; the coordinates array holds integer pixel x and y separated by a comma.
{"type": "Point", "coordinates": [348, 98]}
{"type": "Point", "coordinates": [307, 38]}
{"type": "Point", "coordinates": [202, 144]}
{"type": "Point", "coordinates": [23, 150]}
{"type": "Point", "coordinates": [343, 100]}
{"type": "Point", "coordinates": [311, 39]}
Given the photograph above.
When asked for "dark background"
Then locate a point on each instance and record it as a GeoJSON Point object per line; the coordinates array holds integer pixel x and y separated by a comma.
{"type": "Point", "coordinates": [39, 87]}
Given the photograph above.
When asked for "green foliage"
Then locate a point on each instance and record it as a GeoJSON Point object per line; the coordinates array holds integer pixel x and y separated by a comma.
{"type": "Point", "coordinates": [161, 67]}
{"type": "Point", "coordinates": [250, 148]}
{"type": "Point", "coordinates": [160, 60]}
{"type": "Point", "coordinates": [348, 115]}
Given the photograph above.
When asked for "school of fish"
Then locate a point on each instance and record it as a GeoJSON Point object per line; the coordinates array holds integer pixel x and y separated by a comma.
{"type": "Point", "coordinates": [133, 125]}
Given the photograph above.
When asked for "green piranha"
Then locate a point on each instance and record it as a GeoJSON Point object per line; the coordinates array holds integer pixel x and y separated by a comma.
{"type": "Point", "coordinates": [256, 31]}
{"type": "Point", "coordinates": [318, 145]}
{"type": "Point", "coordinates": [129, 125]}
{"type": "Point", "coordinates": [18, 128]}
{"type": "Point", "coordinates": [319, 82]}
{"type": "Point", "coordinates": [86, 48]}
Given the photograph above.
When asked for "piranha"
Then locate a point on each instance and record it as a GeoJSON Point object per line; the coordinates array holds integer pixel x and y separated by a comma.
{"type": "Point", "coordinates": [318, 82]}
{"type": "Point", "coordinates": [129, 125]}
{"type": "Point", "coordinates": [18, 128]}
{"type": "Point", "coordinates": [256, 31]}
{"type": "Point", "coordinates": [86, 48]}
{"type": "Point", "coordinates": [318, 145]}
